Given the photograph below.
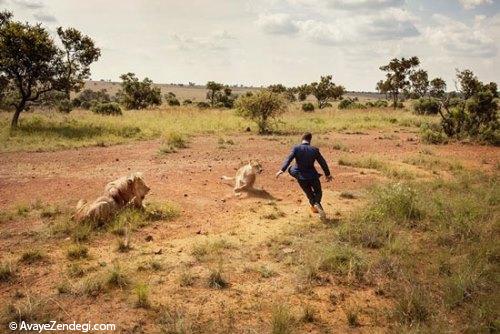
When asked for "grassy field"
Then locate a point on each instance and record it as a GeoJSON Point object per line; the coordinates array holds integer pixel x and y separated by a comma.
{"type": "Point", "coordinates": [49, 130]}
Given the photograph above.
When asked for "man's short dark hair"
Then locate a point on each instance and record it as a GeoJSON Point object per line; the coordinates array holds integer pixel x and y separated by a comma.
{"type": "Point", "coordinates": [307, 136]}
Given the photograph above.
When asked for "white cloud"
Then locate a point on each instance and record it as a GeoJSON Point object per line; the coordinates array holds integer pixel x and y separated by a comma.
{"type": "Point", "coordinates": [459, 39]}
{"type": "Point", "coordinates": [364, 4]}
{"type": "Point", "coordinates": [279, 24]}
{"type": "Point", "coordinates": [470, 4]}
{"type": "Point", "coordinates": [213, 42]}
{"type": "Point", "coordinates": [45, 17]}
{"type": "Point", "coordinates": [31, 4]}
{"type": "Point", "coordinates": [389, 24]}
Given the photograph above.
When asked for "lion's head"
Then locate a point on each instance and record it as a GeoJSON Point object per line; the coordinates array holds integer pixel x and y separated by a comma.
{"type": "Point", "coordinates": [136, 183]}
{"type": "Point", "coordinates": [256, 166]}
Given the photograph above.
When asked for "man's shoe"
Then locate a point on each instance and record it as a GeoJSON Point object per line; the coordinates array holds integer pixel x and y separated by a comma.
{"type": "Point", "coordinates": [313, 209]}
{"type": "Point", "coordinates": [319, 208]}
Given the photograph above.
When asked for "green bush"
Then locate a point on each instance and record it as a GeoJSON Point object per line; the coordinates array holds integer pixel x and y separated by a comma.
{"type": "Point", "coordinates": [203, 105]}
{"type": "Point", "coordinates": [424, 106]}
{"type": "Point", "coordinates": [432, 134]}
{"type": "Point", "coordinates": [308, 106]}
{"type": "Point", "coordinates": [377, 104]}
{"type": "Point", "coordinates": [88, 98]}
{"type": "Point", "coordinates": [262, 108]}
{"type": "Point", "coordinates": [107, 108]}
{"type": "Point", "coordinates": [349, 103]}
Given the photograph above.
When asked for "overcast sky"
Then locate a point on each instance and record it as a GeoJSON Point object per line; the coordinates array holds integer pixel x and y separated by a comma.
{"type": "Point", "coordinates": [260, 42]}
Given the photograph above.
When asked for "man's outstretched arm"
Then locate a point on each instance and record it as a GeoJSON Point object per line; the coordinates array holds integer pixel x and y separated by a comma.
{"type": "Point", "coordinates": [324, 166]}
{"type": "Point", "coordinates": [286, 163]}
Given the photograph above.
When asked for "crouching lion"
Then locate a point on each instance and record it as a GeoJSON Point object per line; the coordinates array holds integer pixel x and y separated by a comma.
{"type": "Point", "coordinates": [127, 190]}
{"type": "Point", "coordinates": [245, 177]}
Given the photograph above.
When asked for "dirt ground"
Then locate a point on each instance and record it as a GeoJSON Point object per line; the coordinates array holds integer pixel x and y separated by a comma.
{"type": "Point", "coordinates": [190, 179]}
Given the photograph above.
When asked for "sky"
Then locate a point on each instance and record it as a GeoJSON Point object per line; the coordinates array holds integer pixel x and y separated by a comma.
{"type": "Point", "coordinates": [263, 42]}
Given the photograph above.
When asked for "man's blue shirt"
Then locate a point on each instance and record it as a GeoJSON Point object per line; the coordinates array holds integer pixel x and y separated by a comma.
{"type": "Point", "coordinates": [305, 155]}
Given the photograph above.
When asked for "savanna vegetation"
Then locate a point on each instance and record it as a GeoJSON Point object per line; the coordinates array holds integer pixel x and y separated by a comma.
{"type": "Point", "coordinates": [410, 246]}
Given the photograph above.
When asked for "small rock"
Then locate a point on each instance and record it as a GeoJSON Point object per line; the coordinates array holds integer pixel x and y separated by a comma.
{"type": "Point", "coordinates": [149, 238]}
{"type": "Point", "coordinates": [159, 251]}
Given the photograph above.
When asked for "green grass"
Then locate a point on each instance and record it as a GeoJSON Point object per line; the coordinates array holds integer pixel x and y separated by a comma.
{"type": "Point", "coordinates": [42, 131]}
{"type": "Point", "coordinates": [437, 244]}
{"type": "Point", "coordinates": [282, 321]}
{"type": "Point", "coordinates": [32, 256]}
{"type": "Point", "coordinates": [77, 251]}
{"type": "Point", "coordinates": [142, 295]}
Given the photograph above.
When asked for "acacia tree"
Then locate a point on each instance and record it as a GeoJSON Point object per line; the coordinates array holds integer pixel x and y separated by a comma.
{"type": "Point", "coordinates": [28, 58]}
{"type": "Point", "coordinates": [79, 52]}
{"type": "Point", "coordinates": [31, 63]}
{"type": "Point", "coordinates": [475, 114]}
{"type": "Point", "coordinates": [214, 89]}
{"type": "Point", "coordinates": [261, 108]}
{"type": "Point", "coordinates": [437, 88]}
{"type": "Point", "coordinates": [137, 94]}
{"type": "Point", "coordinates": [326, 90]}
{"type": "Point", "coordinates": [398, 71]}
{"type": "Point", "coordinates": [303, 91]}
{"type": "Point", "coordinates": [419, 83]}
{"type": "Point", "coordinates": [384, 87]}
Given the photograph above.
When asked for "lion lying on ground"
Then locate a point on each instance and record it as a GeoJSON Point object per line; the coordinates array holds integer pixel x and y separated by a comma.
{"type": "Point", "coordinates": [245, 177]}
{"type": "Point", "coordinates": [127, 190]}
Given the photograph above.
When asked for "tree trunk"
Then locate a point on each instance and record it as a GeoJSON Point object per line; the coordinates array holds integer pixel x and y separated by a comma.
{"type": "Point", "coordinates": [395, 101]}
{"type": "Point", "coordinates": [15, 119]}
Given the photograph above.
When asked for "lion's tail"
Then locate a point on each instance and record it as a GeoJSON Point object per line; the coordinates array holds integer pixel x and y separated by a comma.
{"type": "Point", "coordinates": [227, 178]}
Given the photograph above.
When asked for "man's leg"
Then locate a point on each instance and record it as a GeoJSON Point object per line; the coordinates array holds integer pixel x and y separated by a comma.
{"type": "Point", "coordinates": [316, 186]}
{"type": "Point", "coordinates": [318, 194]}
{"type": "Point", "coordinates": [308, 190]}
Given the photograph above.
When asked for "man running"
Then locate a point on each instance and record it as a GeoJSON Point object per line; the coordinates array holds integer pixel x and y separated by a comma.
{"type": "Point", "coordinates": [305, 155]}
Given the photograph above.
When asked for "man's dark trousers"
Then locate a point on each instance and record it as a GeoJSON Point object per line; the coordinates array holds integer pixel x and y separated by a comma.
{"type": "Point", "coordinates": [312, 188]}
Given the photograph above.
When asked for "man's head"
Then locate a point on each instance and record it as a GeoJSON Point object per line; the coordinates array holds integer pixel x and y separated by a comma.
{"type": "Point", "coordinates": [307, 137]}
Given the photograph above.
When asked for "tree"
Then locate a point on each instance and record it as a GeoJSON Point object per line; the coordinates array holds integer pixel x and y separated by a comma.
{"type": "Point", "coordinates": [31, 63]}
{"type": "Point", "coordinates": [303, 91]}
{"type": "Point", "coordinates": [29, 59]}
{"type": "Point", "coordinates": [136, 94]}
{"type": "Point", "coordinates": [261, 107]}
{"type": "Point", "coordinates": [437, 88]}
{"type": "Point", "coordinates": [384, 87]}
{"type": "Point", "coordinates": [468, 84]}
{"type": "Point", "coordinates": [475, 114]}
{"type": "Point", "coordinates": [398, 71]}
{"type": "Point", "coordinates": [79, 52]}
{"type": "Point", "coordinates": [214, 89]}
{"type": "Point", "coordinates": [277, 88]}
{"type": "Point", "coordinates": [419, 83]}
{"type": "Point", "coordinates": [326, 90]}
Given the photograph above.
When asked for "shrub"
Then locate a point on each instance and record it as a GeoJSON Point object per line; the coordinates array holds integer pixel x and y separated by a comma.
{"type": "Point", "coordinates": [349, 103]}
{"type": "Point", "coordinates": [88, 98]}
{"type": "Point", "coordinates": [326, 90]}
{"type": "Point", "coordinates": [76, 252]}
{"type": "Point", "coordinates": [262, 107]}
{"type": "Point", "coordinates": [216, 279]}
{"type": "Point", "coordinates": [176, 140]}
{"type": "Point", "coordinates": [203, 105]}
{"type": "Point", "coordinates": [475, 115]}
{"type": "Point", "coordinates": [187, 102]}
{"type": "Point", "coordinates": [136, 94]}
{"type": "Point", "coordinates": [108, 108]}
{"type": "Point", "coordinates": [172, 99]}
{"type": "Point", "coordinates": [425, 106]}
{"type": "Point", "coordinates": [6, 272]}
{"type": "Point", "coordinates": [308, 106]}
{"type": "Point", "coordinates": [117, 277]}
{"type": "Point", "coordinates": [142, 293]}
{"type": "Point", "coordinates": [432, 134]}
{"type": "Point", "coordinates": [282, 320]}
{"type": "Point", "coordinates": [377, 104]}
{"type": "Point", "coordinates": [32, 256]}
